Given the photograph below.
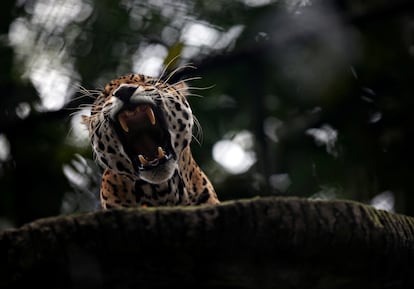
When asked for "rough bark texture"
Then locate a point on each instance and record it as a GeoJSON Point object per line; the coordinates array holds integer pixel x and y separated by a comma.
{"type": "Point", "coordinates": [258, 243]}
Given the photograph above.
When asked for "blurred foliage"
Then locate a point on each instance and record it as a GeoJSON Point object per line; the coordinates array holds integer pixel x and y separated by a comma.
{"type": "Point", "coordinates": [315, 96]}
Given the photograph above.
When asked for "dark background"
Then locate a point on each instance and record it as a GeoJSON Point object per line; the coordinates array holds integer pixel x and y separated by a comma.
{"type": "Point", "coordinates": [304, 98]}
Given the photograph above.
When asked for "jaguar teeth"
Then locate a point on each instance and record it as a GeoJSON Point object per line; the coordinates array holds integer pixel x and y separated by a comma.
{"type": "Point", "coordinates": [123, 123]}
{"type": "Point", "coordinates": [154, 162]}
{"type": "Point", "coordinates": [160, 153]}
{"type": "Point", "coordinates": [150, 114]}
{"type": "Point", "coordinates": [142, 160]}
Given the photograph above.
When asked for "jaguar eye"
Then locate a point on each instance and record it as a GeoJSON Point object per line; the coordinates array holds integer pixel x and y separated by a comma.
{"type": "Point", "coordinates": [125, 92]}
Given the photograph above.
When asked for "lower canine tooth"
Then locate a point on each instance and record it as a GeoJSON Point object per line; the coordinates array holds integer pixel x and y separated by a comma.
{"type": "Point", "coordinates": [123, 123]}
{"type": "Point", "coordinates": [142, 160]}
{"type": "Point", "coordinates": [160, 153]}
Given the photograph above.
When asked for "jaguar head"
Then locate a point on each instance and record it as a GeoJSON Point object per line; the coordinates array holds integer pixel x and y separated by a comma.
{"type": "Point", "coordinates": [139, 126]}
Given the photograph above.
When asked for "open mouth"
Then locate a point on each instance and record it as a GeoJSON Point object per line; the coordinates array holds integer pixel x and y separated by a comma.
{"type": "Point", "coordinates": [143, 133]}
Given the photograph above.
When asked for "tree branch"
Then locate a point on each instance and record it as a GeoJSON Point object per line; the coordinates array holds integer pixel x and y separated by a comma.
{"type": "Point", "coordinates": [259, 243]}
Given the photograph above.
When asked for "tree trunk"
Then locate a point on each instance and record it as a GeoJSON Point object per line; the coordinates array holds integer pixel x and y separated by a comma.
{"type": "Point", "coordinates": [258, 243]}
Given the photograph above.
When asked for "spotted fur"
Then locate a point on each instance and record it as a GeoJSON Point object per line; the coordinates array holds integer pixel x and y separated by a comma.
{"type": "Point", "coordinates": [147, 160]}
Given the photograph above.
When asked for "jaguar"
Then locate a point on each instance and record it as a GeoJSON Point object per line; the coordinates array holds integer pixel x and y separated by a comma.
{"type": "Point", "coordinates": [140, 129]}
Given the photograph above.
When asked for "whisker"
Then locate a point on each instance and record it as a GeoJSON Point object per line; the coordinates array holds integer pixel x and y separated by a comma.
{"type": "Point", "coordinates": [86, 106]}
{"type": "Point", "coordinates": [186, 91]}
{"type": "Point", "coordinates": [198, 136]}
{"type": "Point", "coordinates": [194, 94]}
{"type": "Point", "coordinates": [201, 88]}
{"type": "Point", "coordinates": [69, 132]}
{"type": "Point", "coordinates": [84, 93]}
{"type": "Point", "coordinates": [82, 88]}
{"type": "Point", "coordinates": [74, 113]}
{"type": "Point", "coordinates": [80, 107]}
{"type": "Point", "coordinates": [188, 88]}
{"type": "Point", "coordinates": [188, 79]}
{"type": "Point", "coordinates": [77, 110]}
{"type": "Point", "coordinates": [165, 68]}
{"type": "Point", "coordinates": [98, 126]}
{"type": "Point", "coordinates": [92, 93]}
{"type": "Point", "coordinates": [78, 98]}
{"type": "Point", "coordinates": [172, 73]}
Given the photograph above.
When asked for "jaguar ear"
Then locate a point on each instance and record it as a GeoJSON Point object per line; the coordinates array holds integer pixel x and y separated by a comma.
{"type": "Point", "coordinates": [85, 120]}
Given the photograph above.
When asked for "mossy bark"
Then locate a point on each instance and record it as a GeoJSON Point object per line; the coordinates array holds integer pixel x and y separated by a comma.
{"type": "Point", "coordinates": [257, 243]}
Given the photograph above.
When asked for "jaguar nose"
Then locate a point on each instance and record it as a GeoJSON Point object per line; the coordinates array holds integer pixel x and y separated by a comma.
{"type": "Point", "coordinates": [124, 92]}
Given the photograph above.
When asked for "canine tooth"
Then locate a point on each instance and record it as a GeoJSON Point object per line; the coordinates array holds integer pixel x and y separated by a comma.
{"type": "Point", "coordinates": [123, 123]}
{"type": "Point", "coordinates": [150, 114]}
{"type": "Point", "coordinates": [160, 153]}
{"type": "Point", "coordinates": [142, 160]}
